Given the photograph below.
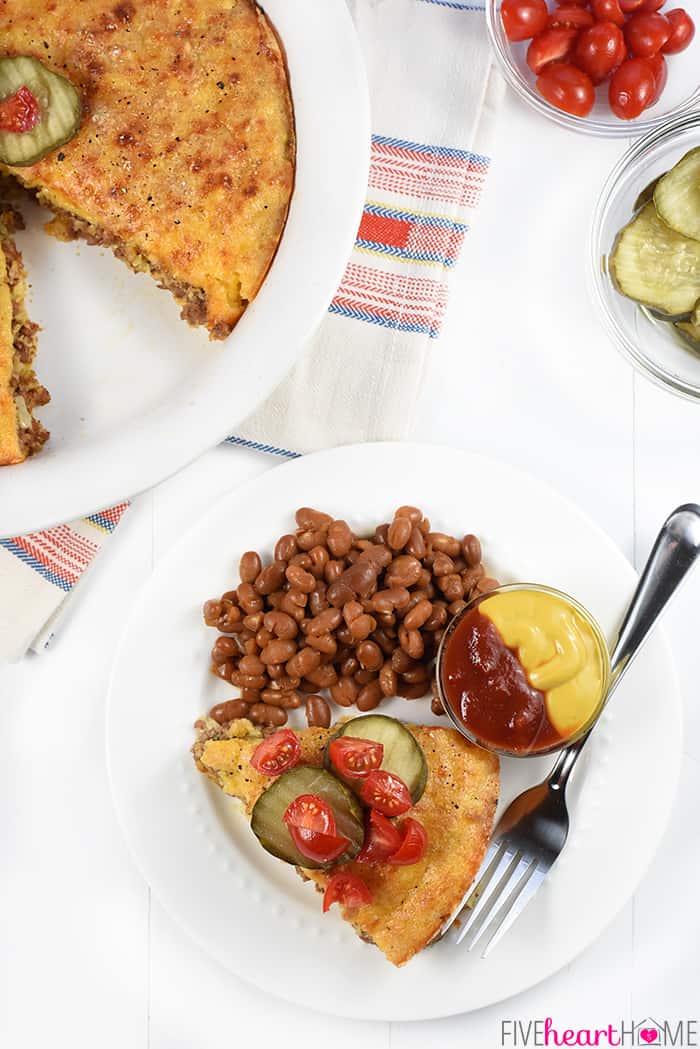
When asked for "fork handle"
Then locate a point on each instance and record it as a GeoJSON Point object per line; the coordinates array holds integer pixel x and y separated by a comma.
{"type": "Point", "coordinates": [674, 553]}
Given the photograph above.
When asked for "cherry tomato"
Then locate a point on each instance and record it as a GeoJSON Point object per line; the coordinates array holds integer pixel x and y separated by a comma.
{"type": "Point", "coordinates": [567, 88]}
{"type": "Point", "coordinates": [651, 5]}
{"type": "Point", "coordinates": [19, 112]}
{"type": "Point", "coordinates": [386, 793]}
{"type": "Point", "coordinates": [646, 32]}
{"type": "Point", "coordinates": [346, 889]}
{"type": "Point", "coordinates": [608, 11]}
{"type": "Point", "coordinates": [682, 31]}
{"type": "Point", "coordinates": [631, 88]}
{"type": "Point", "coordinates": [630, 5]}
{"type": "Point", "coordinates": [355, 758]}
{"type": "Point", "coordinates": [551, 45]}
{"type": "Point", "coordinates": [277, 753]}
{"type": "Point", "coordinates": [321, 848]}
{"type": "Point", "coordinates": [599, 50]}
{"type": "Point", "coordinates": [657, 64]}
{"type": "Point", "coordinates": [309, 812]}
{"type": "Point", "coordinates": [382, 839]}
{"type": "Point", "coordinates": [570, 16]}
{"type": "Point", "coordinates": [413, 846]}
{"type": "Point", "coordinates": [522, 19]}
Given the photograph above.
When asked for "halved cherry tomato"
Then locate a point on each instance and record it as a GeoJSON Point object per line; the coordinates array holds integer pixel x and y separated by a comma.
{"type": "Point", "coordinates": [570, 16]}
{"type": "Point", "coordinates": [608, 11]}
{"type": "Point", "coordinates": [19, 112]}
{"type": "Point", "coordinates": [599, 50]}
{"type": "Point", "coordinates": [309, 812]}
{"type": "Point", "coordinates": [321, 848]}
{"type": "Point", "coordinates": [630, 5]}
{"type": "Point", "coordinates": [355, 758]}
{"type": "Point", "coordinates": [551, 45]}
{"type": "Point", "coordinates": [413, 846]}
{"type": "Point", "coordinates": [522, 19]}
{"type": "Point", "coordinates": [277, 753]}
{"type": "Point", "coordinates": [382, 839]}
{"type": "Point", "coordinates": [682, 31]}
{"type": "Point", "coordinates": [631, 88]}
{"type": "Point", "coordinates": [386, 793]}
{"type": "Point", "coordinates": [646, 32]}
{"type": "Point", "coordinates": [657, 64]}
{"type": "Point", "coordinates": [567, 88]}
{"type": "Point", "coordinates": [346, 889]}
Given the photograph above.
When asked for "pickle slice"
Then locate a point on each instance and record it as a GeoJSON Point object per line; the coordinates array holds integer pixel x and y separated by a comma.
{"type": "Point", "coordinates": [677, 196]}
{"type": "Point", "coordinates": [646, 195]}
{"type": "Point", "coordinates": [60, 107]}
{"type": "Point", "coordinates": [656, 266]}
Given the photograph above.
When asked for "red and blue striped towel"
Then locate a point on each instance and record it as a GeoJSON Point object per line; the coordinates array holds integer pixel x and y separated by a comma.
{"type": "Point", "coordinates": [433, 94]}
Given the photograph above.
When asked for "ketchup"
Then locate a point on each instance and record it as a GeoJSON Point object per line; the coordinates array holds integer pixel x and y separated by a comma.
{"type": "Point", "coordinates": [486, 686]}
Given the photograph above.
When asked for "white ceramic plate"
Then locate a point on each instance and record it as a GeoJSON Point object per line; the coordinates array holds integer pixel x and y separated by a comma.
{"type": "Point", "coordinates": [195, 847]}
{"type": "Point", "coordinates": [136, 393]}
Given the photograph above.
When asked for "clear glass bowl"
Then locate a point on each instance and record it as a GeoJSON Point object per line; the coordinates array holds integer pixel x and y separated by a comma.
{"type": "Point", "coordinates": [681, 93]}
{"type": "Point", "coordinates": [653, 346]}
{"type": "Point", "coordinates": [603, 655]}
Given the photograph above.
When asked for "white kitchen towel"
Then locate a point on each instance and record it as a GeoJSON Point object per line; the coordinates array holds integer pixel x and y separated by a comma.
{"type": "Point", "coordinates": [433, 95]}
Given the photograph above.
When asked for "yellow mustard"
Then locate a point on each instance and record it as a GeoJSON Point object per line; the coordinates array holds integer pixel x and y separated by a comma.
{"type": "Point", "coordinates": [558, 649]}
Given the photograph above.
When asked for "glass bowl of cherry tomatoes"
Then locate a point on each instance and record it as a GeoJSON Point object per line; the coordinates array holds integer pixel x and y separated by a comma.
{"type": "Point", "coordinates": [604, 67]}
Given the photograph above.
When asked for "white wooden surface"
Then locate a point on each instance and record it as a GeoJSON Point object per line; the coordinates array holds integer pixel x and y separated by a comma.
{"type": "Point", "coordinates": [522, 372]}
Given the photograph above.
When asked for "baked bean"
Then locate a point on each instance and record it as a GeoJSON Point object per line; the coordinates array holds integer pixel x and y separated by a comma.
{"type": "Point", "coordinates": [253, 622]}
{"type": "Point", "coordinates": [333, 571]}
{"type": "Point", "coordinates": [300, 579]}
{"type": "Point", "coordinates": [388, 680]}
{"type": "Point", "coordinates": [303, 661]}
{"type": "Point", "coordinates": [370, 696]}
{"type": "Point", "coordinates": [471, 547]}
{"type": "Point", "coordinates": [344, 692]}
{"type": "Point", "coordinates": [211, 610]}
{"type": "Point", "coordinates": [250, 647]}
{"type": "Point", "coordinates": [456, 607]}
{"type": "Point", "coordinates": [270, 579]}
{"type": "Point", "coordinates": [377, 555]}
{"type": "Point", "coordinates": [319, 560]}
{"type": "Point", "coordinates": [408, 691]}
{"type": "Point", "coordinates": [281, 625]}
{"type": "Point", "coordinates": [276, 671]}
{"type": "Point", "coordinates": [452, 587]}
{"type": "Point", "coordinates": [325, 643]}
{"type": "Point", "coordinates": [362, 627]}
{"type": "Point", "coordinates": [249, 566]}
{"type": "Point", "coordinates": [301, 561]}
{"type": "Point", "coordinates": [340, 538]}
{"type": "Point", "coordinates": [250, 695]}
{"type": "Point", "coordinates": [344, 636]}
{"type": "Point", "coordinates": [486, 584]}
{"type": "Point", "coordinates": [370, 655]}
{"type": "Point", "coordinates": [229, 711]}
{"type": "Point", "coordinates": [263, 637]}
{"type": "Point", "coordinates": [256, 681]}
{"type": "Point", "coordinates": [411, 512]}
{"type": "Point", "coordinates": [437, 617]}
{"type": "Point", "coordinates": [404, 571]}
{"type": "Point", "coordinates": [285, 548]}
{"type": "Point", "coordinates": [436, 705]}
{"type": "Point", "coordinates": [318, 713]}
{"type": "Point", "coordinates": [318, 602]}
{"type": "Point", "coordinates": [386, 643]}
{"type": "Point", "coordinates": [363, 677]}
{"type": "Point", "coordinates": [360, 577]}
{"type": "Point", "coordinates": [288, 604]}
{"type": "Point", "coordinates": [419, 615]}
{"type": "Point", "coordinates": [250, 601]}
{"type": "Point", "coordinates": [323, 676]}
{"type": "Point", "coordinates": [401, 661]}
{"type": "Point", "coordinates": [277, 698]}
{"type": "Point", "coordinates": [460, 564]}
{"type": "Point", "coordinates": [278, 651]}
{"type": "Point", "coordinates": [442, 565]}
{"type": "Point", "coordinates": [307, 518]}
{"type": "Point", "coordinates": [339, 593]}
{"type": "Point", "coordinates": [399, 532]}
{"type": "Point", "coordinates": [381, 534]}
{"type": "Point", "coordinates": [224, 648]}
{"type": "Point", "coordinates": [230, 618]}
{"type": "Point", "coordinates": [324, 621]}
{"type": "Point", "coordinates": [223, 670]}
{"type": "Point", "coordinates": [418, 675]}
{"type": "Point", "coordinates": [411, 642]}
{"type": "Point", "coordinates": [349, 666]}
{"type": "Point", "coordinates": [251, 665]}
{"type": "Point", "coordinates": [308, 540]}
{"type": "Point", "coordinates": [446, 544]}
{"type": "Point", "coordinates": [351, 611]}
{"type": "Point", "coordinates": [264, 714]}
{"type": "Point", "coordinates": [391, 598]}
{"type": "Point", "coordinates": [416, 543]}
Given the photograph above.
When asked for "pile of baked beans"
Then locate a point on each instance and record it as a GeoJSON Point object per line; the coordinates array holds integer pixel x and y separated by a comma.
{"type": "Point", "coordinates": [359, 619]}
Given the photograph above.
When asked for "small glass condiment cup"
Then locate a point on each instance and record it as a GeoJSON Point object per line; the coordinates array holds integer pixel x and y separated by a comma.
{"type": "Point", "coordinates": [604, 659]}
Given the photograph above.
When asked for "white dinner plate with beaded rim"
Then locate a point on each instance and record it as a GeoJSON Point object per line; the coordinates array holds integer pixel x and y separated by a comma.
{"type": "Point", "coordinates": [136, 393]}
{"type": "Point", "coordinates": [194, 845]}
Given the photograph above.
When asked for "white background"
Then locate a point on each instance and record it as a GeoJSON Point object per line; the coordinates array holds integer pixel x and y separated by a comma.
{"type": "Point", "coordinates": [522, 372]}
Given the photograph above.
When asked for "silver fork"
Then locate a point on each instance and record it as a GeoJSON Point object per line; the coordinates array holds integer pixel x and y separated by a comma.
{"type": "Point", "coordinates": [532, 831]}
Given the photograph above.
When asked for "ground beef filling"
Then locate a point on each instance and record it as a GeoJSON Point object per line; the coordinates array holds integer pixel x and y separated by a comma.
{"type": "Point", "coordinates": [192, 300]}
{"type": "Point", "coordinates": [26, 389]}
